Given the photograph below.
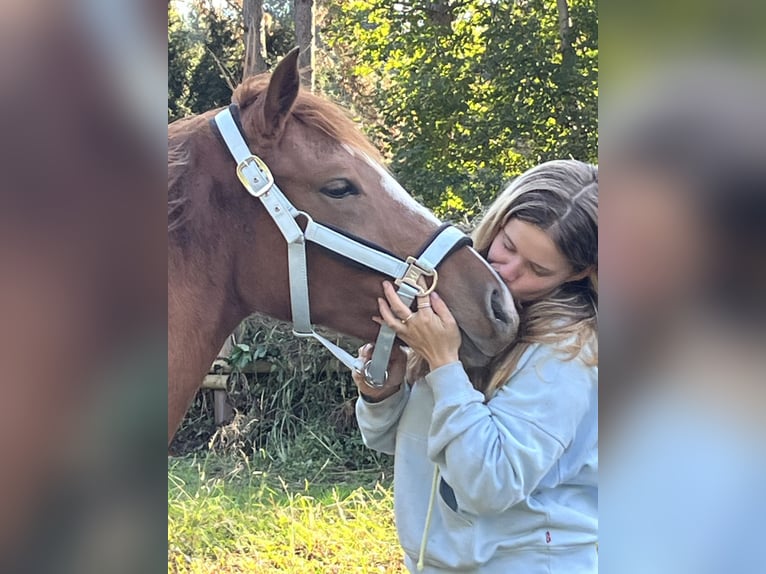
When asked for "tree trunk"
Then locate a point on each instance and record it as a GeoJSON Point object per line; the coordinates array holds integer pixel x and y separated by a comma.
{"type": "Point", "coordinates": [440, 12]}
{"type": "Point", "coordinates": [565, 33]}
{"type": "Point", "coordinates": [304, 37]}
{"type": "Point", "coordinates": [255, 38]}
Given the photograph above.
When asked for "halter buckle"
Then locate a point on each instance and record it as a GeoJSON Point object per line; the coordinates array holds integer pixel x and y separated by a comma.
{"type": "Point", "coordinates": [413, 274]}
{"type": "Point", "coordinates": [265, 181]}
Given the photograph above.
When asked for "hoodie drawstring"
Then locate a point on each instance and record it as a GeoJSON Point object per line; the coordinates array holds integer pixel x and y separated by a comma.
{"type": "Point", "coordinates": [424, 540]}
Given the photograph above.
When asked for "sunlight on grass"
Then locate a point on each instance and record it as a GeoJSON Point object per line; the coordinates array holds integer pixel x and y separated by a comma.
{"type": "Point", "coordinates": [225, 516]}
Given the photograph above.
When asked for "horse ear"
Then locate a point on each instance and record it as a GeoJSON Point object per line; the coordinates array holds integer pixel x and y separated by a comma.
{"type": "Point", "coordinates": [281, 93]}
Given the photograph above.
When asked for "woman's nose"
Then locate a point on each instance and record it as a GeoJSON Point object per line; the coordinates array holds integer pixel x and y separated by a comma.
{"type": "Point", "coordinates": [509, 270]}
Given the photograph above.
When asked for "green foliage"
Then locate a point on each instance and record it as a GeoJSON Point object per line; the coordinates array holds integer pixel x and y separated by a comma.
{"type": "Point", "coordinates": [469, 97]}
{"type": "Point", "coordinates": [219, 67]}
{"type": "Point", "coordinates": [280, 33]}
{"type": "Point", "coordinates": [182, 53]}
{"type": "Point", "coordinates": [204, 57]}
{"type": "Point", "coordinates": [206, 52]}
{"type": "Point", "coordinates": [301, 410]}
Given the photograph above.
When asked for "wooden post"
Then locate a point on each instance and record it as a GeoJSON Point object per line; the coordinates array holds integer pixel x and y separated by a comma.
{"type": "Point", "coordinates": [221, 407]}
{"type": "Point", "coordinates": [217, 381]}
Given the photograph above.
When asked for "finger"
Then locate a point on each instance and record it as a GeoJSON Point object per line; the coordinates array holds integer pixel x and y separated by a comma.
{"type": "Point", "coordinates": [424, 304]}
{"type": "Point", "coordinates": [358, 379]}
{"type": "Point", "coordinates": [423, 301]}
{"type": "Point", "coordinates": [365, 351]}
{"type": "Point", "coordinates": [388, 317]}
{"type": "Point", "coordinates": [397, 305]}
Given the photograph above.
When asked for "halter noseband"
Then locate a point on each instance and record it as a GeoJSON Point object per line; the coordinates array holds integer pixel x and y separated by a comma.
{"type": "Point", "coordinates": [259, 182]}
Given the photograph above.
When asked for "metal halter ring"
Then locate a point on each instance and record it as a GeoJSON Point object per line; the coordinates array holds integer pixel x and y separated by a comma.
{"type": "Point", "coordinates": [369, 381]}
{"type": "Point", "coordinates": [413, 273]}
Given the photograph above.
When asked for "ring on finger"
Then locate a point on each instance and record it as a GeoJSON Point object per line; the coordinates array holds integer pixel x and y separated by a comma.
{"type": "Point", "coordinates": [404, 321]}
{"type": "Point", "coordinates": [424, 305]}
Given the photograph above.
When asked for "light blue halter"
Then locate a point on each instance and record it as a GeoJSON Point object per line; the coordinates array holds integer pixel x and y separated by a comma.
{"type": "Point", "coordinates": [259, 182]}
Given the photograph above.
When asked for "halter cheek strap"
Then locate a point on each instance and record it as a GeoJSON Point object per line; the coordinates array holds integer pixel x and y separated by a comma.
{"type": "Point", "coordinates": [257, 179]}
{"type": "Point", "coordinates": [446, 241]}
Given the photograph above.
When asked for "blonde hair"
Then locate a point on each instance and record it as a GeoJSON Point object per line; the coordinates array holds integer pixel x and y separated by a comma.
{"type": "Point", "coordinates": [561, 198]}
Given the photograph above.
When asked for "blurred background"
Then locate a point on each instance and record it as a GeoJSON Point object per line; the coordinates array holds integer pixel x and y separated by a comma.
{"type": "Point", "coordinates": [683, 269]}
{"type": "Point", "coordinates": [82, 286]}
{"type": "Point", "coordinates": [82, 247]}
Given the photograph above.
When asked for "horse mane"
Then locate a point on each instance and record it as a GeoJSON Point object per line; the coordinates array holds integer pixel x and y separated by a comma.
{"type": "Point", "coordinates": [313, 111]}
{"type": "Point", "coordinates": [178, 160]}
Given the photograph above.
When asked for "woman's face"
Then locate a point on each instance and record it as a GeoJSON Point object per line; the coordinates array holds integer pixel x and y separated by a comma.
{"type": "Point", "coordinates": [528, 261]}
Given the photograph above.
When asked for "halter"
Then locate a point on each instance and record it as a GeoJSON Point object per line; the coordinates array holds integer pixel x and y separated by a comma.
{"type": "Point", "coordinates": [259, 182]}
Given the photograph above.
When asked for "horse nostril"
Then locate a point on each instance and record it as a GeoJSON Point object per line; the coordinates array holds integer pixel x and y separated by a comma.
{"type": "Point", "coordinates": [497, 307]}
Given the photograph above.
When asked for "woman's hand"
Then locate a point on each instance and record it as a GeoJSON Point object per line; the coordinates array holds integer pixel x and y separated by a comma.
{"type": "Point", "coordinates": [397, 366]}
{"type": "Point", "coordinates": [431, 332]}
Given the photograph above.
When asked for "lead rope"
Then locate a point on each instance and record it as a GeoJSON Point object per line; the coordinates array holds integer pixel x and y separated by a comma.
{"type": "Point", "coordinates": [426, 528]}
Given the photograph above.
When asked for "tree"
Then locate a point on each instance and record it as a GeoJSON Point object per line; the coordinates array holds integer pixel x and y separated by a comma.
{"type": "Point", "coordinates": [565, 31]}
{"type": "Point", "coordinates": [181, 55]}
{"type": "Point", "coordinates": [304, 36]}
{"type": "Point", "coordinates": [466, 94]}
{"type": "Point", "coordinates": [215, 75]}
{"type": "Point", "coordinates": [255, 38]}
{"type": "Point", "coordinates": [206, 50]}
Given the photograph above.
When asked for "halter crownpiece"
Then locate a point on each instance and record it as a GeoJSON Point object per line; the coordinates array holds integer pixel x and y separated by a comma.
{"type": "Point", "coordinates": [258, 180]}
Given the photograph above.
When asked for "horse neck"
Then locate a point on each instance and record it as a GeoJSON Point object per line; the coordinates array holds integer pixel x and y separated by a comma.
{"type": "Point", "coordinates": [203, 306]}
{"type": "Point", "coordinates": [201, 314]}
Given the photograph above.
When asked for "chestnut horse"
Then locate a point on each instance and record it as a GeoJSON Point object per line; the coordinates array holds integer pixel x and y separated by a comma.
{"type": "Point", "coordinates": [227, 258]}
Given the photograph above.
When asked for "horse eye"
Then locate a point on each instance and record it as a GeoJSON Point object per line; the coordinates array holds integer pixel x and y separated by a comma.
{"type": "Point", "coordinates": [339, 188]}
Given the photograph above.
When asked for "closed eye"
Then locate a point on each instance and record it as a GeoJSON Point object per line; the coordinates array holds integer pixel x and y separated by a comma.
{"type": "Point", "coordinates": [540, 271]}
{"type": "Point", "coordinates": [339, 188]}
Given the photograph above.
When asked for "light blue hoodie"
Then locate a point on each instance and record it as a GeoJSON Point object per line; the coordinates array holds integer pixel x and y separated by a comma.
{"type": "Point", "coordinates": [518, 475]}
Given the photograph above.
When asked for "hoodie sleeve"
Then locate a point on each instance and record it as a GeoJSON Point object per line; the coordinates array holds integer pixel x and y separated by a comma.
{"type": "Point", "coordinates": [494, 455]}
{"type": "Point", "coordinates": [378, 421]}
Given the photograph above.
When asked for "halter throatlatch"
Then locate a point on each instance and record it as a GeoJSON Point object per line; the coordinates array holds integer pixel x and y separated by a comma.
{"type": "Point", "coordinates": [258, 180]}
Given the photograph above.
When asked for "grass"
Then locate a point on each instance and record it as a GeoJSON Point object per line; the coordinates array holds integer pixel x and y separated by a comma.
{"type": "Point", "coordinates": [227, 515]}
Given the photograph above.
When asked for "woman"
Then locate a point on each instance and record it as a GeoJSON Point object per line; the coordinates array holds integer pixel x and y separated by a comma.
{"type": "Point", "coordinates": [495, 470]}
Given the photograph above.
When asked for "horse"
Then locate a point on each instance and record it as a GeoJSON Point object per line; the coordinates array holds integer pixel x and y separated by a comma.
{"type": "Point", "coordinates": [227, 259]}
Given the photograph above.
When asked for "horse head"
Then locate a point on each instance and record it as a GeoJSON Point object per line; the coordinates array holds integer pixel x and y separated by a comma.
{"type": "Point", "coordinates": [229, 255]}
